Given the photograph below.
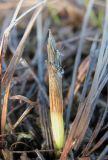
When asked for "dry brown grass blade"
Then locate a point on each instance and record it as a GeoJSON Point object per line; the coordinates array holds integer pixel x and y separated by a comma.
{"type": "Point", "coordinates": [25, 99]}
{"type": "Point", "coordinates": [4, 109]}
{"type": "Point", "coordinates": [15, 59]}
{"type": "Point", "coordinates": [81, 73]}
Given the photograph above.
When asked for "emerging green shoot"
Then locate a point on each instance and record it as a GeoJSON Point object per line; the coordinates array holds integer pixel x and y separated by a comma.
{"type": "Point", "coordinates": [55, 92]}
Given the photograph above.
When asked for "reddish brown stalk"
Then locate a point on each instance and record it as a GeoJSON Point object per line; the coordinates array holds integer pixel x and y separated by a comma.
{"type": "Point", "coordinates": [4, 109]}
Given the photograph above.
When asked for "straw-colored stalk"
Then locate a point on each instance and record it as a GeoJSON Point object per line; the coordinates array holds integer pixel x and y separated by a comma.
{"type": "Point", "coordinates": [55, 93]}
